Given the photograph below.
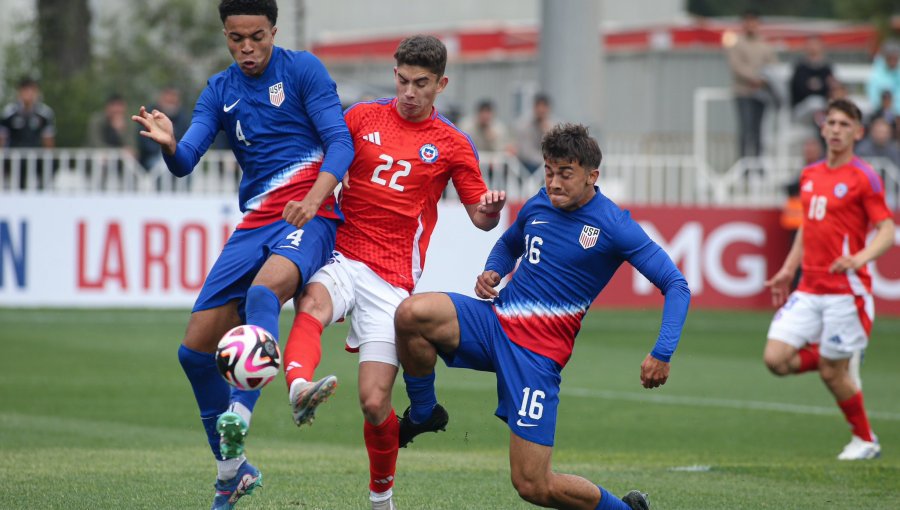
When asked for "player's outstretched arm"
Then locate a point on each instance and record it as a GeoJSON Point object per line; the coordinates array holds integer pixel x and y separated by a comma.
{"type": "Point", "coordinates": [158, 127]}
{"type": "Point", "coordinates": [486, 213]}
{"type": "Point", "coordinates": [654, 373]}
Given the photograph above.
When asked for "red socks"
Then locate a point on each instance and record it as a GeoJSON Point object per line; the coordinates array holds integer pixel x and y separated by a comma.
{"type": "Point", "coordinates": [303, 350]}
{"type": "Point", "coordinates": [382, 443]}
{"type": "Point", "coordinates": [809, 358]}
{"type": "Point", "coordinates": [855, 413]}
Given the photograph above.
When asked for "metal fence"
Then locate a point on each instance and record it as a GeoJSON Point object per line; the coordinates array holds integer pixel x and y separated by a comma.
{"type": "Point", "coordinates": [639, 179]}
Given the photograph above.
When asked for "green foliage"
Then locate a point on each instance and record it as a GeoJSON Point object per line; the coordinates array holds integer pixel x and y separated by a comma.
{"type": "Point", "coordinates": [97, 415]}
{"type": "Point", "coordinates": [155, 44]}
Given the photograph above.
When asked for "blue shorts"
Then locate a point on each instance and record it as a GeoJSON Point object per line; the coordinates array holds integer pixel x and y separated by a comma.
{"type": "Point", "coordinates": [527, 383]}
{"type": "Point", "coordinates": [309, 248]}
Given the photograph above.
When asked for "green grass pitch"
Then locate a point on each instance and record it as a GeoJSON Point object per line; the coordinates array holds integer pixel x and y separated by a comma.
{"type": "Point", "coordinates": [97, 414]}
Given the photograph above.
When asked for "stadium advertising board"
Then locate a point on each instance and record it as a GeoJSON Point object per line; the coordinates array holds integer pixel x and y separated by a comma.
{"type": "Point", "coordinates": [100, 251]}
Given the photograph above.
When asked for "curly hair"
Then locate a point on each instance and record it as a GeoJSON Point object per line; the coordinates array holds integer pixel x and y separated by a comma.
{"type": "Point", "coordinates": [267, 8]}
{"type": "Point", "coordinates": [572, 142]}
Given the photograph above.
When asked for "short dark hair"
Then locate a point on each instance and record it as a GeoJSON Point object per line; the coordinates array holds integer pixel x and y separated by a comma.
{"type": "Point", "coordinates": [846, 106]}
{"type": "Point", "coordinates": [542, 97]}
{"type": "Point", "coordinates": [424, 51]}
{"type": "Point", "coordinates": [571, 142]}
{"type": "Point", "coordinates": [267, 8]}
{"type": "Point", "coordinates": [27, 81]}
{"type": "Point", "coordinates": [485, 104]}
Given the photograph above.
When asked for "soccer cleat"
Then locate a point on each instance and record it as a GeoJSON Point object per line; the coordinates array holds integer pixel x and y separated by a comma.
{"type": "Point", "coordinates": [228, 492]}
{"type": "Point", "coordinates": [637, 500]}
{"type": "Point", "coordinates": [409, 429]}
{"type": "Point", "coordinates": [232, 432]}
{"type": "Point", "coordinates": [859, 449]}
{"type": "Point", "coordinates": [387, 504]}
{"type": "Point", "coordinates": [307, 396]}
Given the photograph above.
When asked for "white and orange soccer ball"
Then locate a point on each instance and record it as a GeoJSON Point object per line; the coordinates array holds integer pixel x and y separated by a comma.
{"type": "Point", "coordinates": [248, 357]}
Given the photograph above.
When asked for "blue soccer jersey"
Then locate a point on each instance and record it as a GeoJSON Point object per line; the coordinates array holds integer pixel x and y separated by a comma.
{"type": "Point", "coordinates": [284, 127]}
{"type": "Point", "coordinates": [567, 258]}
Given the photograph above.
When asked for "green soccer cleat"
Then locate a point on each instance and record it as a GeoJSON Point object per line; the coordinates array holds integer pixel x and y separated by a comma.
{"type": "Point", "coordinates": [232, 432]}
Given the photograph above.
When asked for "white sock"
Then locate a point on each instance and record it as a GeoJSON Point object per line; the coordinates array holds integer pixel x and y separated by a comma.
{"type": "Point", "coordinates": [228, 468]}
{"type": "Point", "coordinates": [242, 411]}
{"type": "Point", "coordinates": [294, 383]}
{"type": "Point", "coordinates": [378, 497]}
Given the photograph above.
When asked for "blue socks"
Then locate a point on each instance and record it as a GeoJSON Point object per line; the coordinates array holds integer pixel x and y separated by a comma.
{"type": "Point", "coordinates": [610, 502]}
{"type": "Point", "coordinates": [210, 390]}
{"type": "Point", "coordinates": [422, 398]}
{"type": "Point", "coordinates": [262, 309]}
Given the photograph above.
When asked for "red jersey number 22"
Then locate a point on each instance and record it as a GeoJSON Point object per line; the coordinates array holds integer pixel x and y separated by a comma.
{"type": "Point", "coordinates": [389, 163]}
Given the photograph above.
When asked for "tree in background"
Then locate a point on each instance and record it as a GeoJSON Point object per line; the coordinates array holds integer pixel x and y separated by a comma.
{"type": "Point", "coordinates": [155, 43]}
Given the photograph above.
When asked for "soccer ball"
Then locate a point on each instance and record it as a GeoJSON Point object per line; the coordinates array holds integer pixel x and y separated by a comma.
{"type": "Point", "coordinates": [248, 357]}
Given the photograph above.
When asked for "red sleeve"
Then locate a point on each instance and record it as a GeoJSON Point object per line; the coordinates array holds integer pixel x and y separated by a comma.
{"type": "Point", "coordinates": [466, 174]}
{"type": "Point", "coordinates": [873, 200]}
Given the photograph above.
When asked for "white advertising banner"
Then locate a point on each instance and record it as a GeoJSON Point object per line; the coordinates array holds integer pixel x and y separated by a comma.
{"type": "Point", "coordinates": [140, 251]}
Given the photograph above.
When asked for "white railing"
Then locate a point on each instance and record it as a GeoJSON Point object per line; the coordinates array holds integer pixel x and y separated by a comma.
{"type": "Point", "coordinates": [627, 178]}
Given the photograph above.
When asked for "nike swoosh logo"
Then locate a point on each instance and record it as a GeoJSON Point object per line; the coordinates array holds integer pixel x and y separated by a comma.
{"type": "Point", "coordinates": [538, 222]}
{"type": "Point", "coordinates": [227, 108]}
{"type": "Point", "coordinates": [520, 423]}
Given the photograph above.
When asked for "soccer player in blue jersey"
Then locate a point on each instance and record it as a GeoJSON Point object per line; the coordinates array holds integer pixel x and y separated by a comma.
{"type": "Point", "coordinates": [282, 115]}
{"type": "Point", "coordinates": [571, 240]}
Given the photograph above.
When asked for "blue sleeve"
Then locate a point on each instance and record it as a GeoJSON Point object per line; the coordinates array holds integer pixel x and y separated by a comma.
{"type": "Point", "coordinates": [508, 248]}
{"type": "Point", "coordinates": [199, 136]}
{"type": "Point", "coordinates": [655, 264]}
{"type": "Point", "coordinates": [324, 108]}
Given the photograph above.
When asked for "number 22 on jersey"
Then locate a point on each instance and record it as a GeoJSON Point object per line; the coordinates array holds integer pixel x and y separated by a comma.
{"type": "Point", "coordinates": [404, 168]}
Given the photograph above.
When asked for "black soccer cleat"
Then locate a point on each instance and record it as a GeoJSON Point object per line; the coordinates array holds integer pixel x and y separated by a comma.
{"type": "Point", "coordinates": [637, 500]}
{"type": "Point", "coordinates": [409, 429]}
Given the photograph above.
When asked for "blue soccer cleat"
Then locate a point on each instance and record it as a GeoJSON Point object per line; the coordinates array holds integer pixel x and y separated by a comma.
{"type": "Point", "coordinates": [228, 492]}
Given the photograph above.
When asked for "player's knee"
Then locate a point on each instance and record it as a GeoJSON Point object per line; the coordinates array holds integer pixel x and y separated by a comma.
{"type": "Point", "coordinates": [375, 408]}
{"type": "Point", "coordinates": [409, 315]}
{"type": "Point", "coordinates": [776, 364]}
{"type": "Point", "coordinates": [531, 490]}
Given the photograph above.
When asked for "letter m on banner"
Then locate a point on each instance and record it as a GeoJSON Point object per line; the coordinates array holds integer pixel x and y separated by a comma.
{"type": "Point", "coordinates": [276, 94]}
{"type": "Point", "coordinates": [588, 237]}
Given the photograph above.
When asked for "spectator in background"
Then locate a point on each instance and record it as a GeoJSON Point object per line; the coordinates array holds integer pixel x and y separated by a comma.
{"type": "Point", "coordinates": [109, 128]}
{"type": "Point", "coordinates": [886, 111]}
{"type": "Point", "coordinates": [810, 82]}
{"type": "Point", "coordinates": [168, 102]}
{"type": "Point", "coordinates": [27, 122]}
{"type": "Point", "coordinates": [748, 58]}
{"type": "Point", "coordinates": [485, 130]}
{"type": "Point", "coordinates": [530, 131]}
{"type": "Point", "coordinates": [879, 143]}
{"type": "Point", "coordinates": [885, 75]}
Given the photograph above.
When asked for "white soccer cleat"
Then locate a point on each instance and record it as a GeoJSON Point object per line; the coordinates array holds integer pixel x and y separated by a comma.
{"type": "Point", "coordinates": [306, 396]}
{"type": "Point", "coordinates": [858, 449]}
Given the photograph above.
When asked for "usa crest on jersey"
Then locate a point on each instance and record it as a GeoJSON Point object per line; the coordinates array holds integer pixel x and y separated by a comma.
{"type": "Point", "coordinates": [588, 237]}
{"type": "Point", "coordinates": [276, 94]}
{"type": "Point", "coordinates": [428, 153]}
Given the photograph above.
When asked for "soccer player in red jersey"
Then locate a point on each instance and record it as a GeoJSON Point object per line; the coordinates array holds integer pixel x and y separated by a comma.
{"type": "Point", "coordinates": [825, 324]}
{"type": "Point", "coordinates": [406, 153]}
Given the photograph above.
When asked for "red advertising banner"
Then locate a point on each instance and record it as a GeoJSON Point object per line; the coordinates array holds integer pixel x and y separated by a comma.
{"type": "Point", "coordinates": [726, 256]}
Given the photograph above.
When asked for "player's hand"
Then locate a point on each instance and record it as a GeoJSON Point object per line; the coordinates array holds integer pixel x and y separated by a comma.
{"type": "Point", "coordinates": [844, 263]}
{"type": "Point", "coordinates": [654, 373]}
{"type": "Point", "coordinates": [492, 202]}
{"type": "Point", "coordinates": [158, 127]}
{"type": "Point", "coordinates": [485, 283]}
{"type": "Point", "coordinates": [780, 286]}
{"type": "Point", "coordinates": [299, 212]}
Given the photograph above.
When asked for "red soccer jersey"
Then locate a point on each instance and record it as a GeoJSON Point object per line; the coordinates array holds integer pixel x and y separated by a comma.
{"type": "Point", "coordinates": [839, 206]}
{"type": "Point", "coordinates": [395, 181]}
